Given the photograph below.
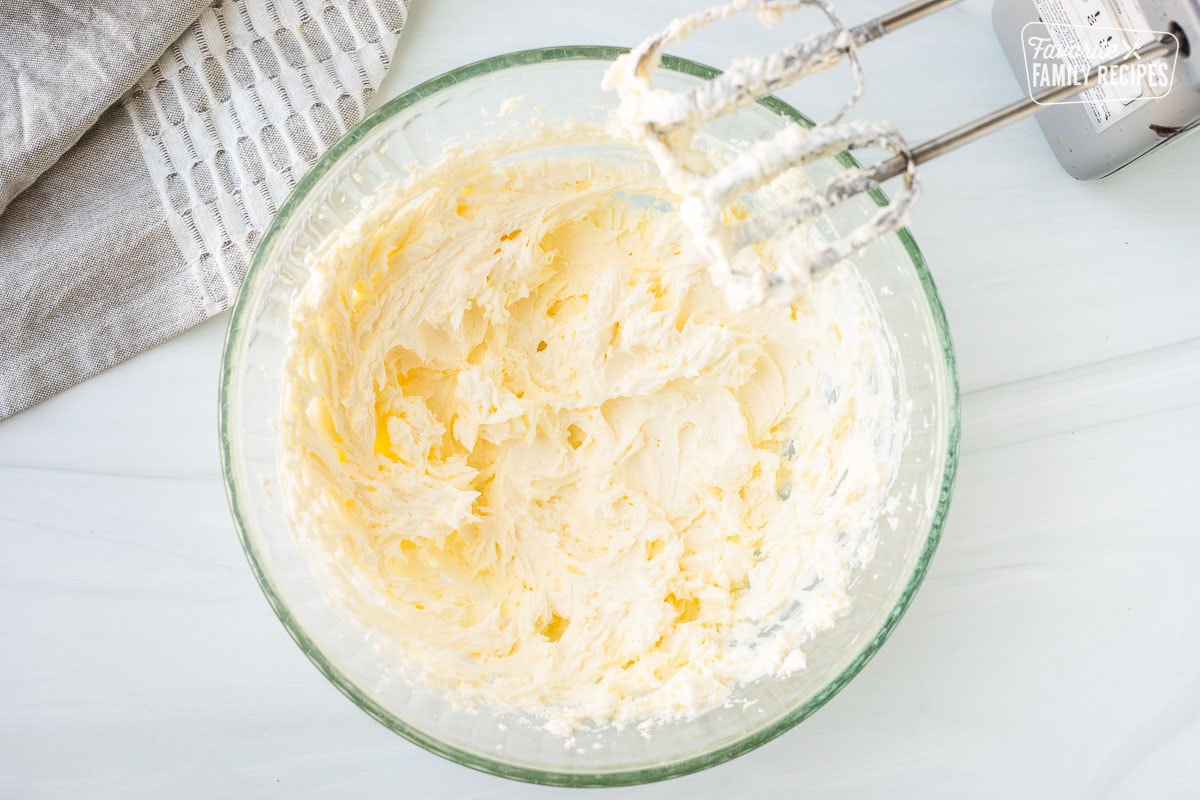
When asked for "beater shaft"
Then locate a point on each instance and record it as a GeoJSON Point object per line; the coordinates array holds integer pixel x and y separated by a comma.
{"type": "Point", "coordinates": [898, 18]}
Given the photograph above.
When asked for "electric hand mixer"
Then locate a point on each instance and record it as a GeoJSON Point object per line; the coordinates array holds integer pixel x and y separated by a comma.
{"type": "Point", "coordinates": [666, 123]}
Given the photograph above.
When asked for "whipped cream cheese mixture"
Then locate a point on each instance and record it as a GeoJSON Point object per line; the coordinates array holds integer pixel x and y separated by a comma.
{"type": "Point", "coordinates": [528, 441]}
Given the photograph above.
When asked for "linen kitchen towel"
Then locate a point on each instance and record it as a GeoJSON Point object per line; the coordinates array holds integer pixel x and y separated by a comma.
{"type": "Point", "coordinates": [135, 181]}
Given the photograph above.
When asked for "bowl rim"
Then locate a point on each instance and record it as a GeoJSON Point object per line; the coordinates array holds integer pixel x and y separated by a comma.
{"type": "Point", "coordinates": [234, 480]}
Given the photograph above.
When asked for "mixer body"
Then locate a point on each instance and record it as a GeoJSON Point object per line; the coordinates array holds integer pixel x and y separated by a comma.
{"type": "Point", "coordinates": [1103, 130]}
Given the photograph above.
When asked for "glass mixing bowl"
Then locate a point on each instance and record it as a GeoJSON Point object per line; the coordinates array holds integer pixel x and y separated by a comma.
{"type": "Point", "coordinates": [560, 84]}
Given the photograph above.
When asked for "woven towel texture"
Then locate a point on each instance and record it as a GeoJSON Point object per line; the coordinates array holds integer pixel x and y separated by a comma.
{"type": "Point", "coordinates": [241, 106]}
{"type": "Point", "coordinates": [145, 226]}
{"type": "Point", "coordinates": [63, 63]}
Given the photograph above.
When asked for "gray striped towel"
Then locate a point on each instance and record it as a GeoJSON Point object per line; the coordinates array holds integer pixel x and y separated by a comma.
{"type": "Point", "coordinates": [144, 148]}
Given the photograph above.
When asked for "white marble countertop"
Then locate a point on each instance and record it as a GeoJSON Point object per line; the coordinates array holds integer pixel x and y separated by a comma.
{"type": "Point", "coordinates": [1051, 652]}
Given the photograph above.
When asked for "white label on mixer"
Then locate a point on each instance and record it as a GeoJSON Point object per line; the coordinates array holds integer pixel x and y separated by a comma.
{"type": "Point", "coordinates": [1072, 36]}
